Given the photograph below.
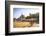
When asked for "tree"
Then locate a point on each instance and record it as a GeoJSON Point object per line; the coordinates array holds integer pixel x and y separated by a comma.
{"type": "Point", "coordinates": [22, 16]}
{"type": "Point", "coordinates": [30, 16]}
{"type": "Point", "coordinates": [37, 16]}
{"type": "Point", "coordinates": [27, 17]}
{"type": "Point", "coordinates": [14, 19]}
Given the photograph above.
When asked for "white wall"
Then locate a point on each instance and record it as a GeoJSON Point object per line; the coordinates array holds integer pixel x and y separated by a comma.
{"type": "Point", "coordinates": [2, 13]}
{"type": "Point", "coordinates": [2, 17]}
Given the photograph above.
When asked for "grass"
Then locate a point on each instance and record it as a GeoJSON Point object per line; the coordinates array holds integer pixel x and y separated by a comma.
{"type": "Point", "coordinates": [21, 24]}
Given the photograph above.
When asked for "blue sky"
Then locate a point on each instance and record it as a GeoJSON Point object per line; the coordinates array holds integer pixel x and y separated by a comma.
{"type": "Point", "coordinates": [17, 12]}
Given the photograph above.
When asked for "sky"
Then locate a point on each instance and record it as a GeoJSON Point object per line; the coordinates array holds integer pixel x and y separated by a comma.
{"type": "Point", "coordinates": [17, 12]}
